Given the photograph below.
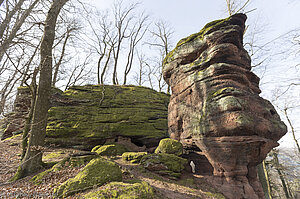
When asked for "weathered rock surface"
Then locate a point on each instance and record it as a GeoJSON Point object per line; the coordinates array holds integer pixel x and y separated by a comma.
{"type": "Point", "coordinates": [215, 105]}
{"type": "Point", "coordinates": [13, 123]}
{"type": "Point", "coordinates": [96, 173]}
{"type": "Point", "coordinates": [164, 164]}
{"type": "Point", "coordinates": [86, 116]}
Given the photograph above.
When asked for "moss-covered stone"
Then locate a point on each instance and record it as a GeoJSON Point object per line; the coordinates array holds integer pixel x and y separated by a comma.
{"type": "Point", "coordinates": [111, 150]}
{"type": "Point", "coordinates": [169, 146]}
{"type": "Point", "coordinates": [163, 163]}
{"type": "Point", "coordinates": [199, 35]}
{"type": "Point", "coordinates": [133, 157]}
{"type": "Point", "coordinates": [38, 178]}
{"type": "Point", "coordinates": [123, 190]}
{"type": "Point", "coordinates": [96, 173]}
{"type": "Point", "coordinates": [92, 114]}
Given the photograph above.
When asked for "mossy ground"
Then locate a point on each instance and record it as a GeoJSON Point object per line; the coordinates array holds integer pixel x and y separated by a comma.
{"type": "Point", "coordinates": [52, 155]}
{"type": "Point", "coordinates": [122, 190]}
{"type": "Point", "coordinates": [162, 186]}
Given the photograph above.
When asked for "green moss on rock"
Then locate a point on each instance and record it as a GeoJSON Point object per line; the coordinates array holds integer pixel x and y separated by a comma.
{"type": "Point", "coordinates": [206, 29]}
{"type": "Point", "coordinates": [123, 190]}
{"type": "Point", "coordinates": [169, 146]}
{"type": "Point", "coordinates": [96, 173]}
{"type": "Point", "coordinates": [163, 163]}
{"type": "Point", "coordinates": [111, 150]}
{"type": "Point", "coordinates": [133, 157]}
{"type": "Point", "coordinates": [92, 114]}
{"type": "Point", "coordinates": [199, 35]}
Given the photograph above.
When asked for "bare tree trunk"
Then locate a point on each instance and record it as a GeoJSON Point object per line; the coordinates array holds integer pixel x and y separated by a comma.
{"type": "Point", "coordinates": [27, 65]}
{"type": "Point", "coordinates": [57, 65]}
{"type": "Point", "coordinates": [135, 38]}
{"type": "Point", "coordinates": [116, 58]}
{"type": "Point", "coordinates": [267, 179]}
{"type": "Point", "coordinates": [280, 173]}
{"type": "Point", "coordinates": [264, 179]}
{"type": "Point", "coordinates": [106, 65]}
{"type": "Point", "coordinates": [32, 161]}
{"type": "Point", "coordinates": [27, 127]}
{"type": "Point", "coordinates": [99, 63]}
{"type": "Point", "coordinates": [292, 128]}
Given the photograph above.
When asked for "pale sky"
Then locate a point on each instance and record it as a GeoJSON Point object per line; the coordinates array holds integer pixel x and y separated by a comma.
{"type": "Point", "coordinates": [275, 16]}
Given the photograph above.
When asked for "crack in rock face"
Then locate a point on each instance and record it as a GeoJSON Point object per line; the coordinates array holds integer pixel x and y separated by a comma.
{"type": "Point", "coordinates": [215, 105]}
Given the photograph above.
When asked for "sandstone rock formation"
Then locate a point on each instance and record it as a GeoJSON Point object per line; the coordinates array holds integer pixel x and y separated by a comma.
{"type": "Point", "coordinates": [86, 116]}
{"type": "Point", "coordinates": [215, 105]}
{"type": "Point", "coordinates": [14, 122]}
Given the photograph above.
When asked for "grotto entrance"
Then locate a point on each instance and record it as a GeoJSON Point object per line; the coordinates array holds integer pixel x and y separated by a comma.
{"type": "Point", "coordinates": [202, 165]}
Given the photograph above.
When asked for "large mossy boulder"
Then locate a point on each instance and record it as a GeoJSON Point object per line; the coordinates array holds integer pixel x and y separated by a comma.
{"type": "Point", "coordinates": [89, 115]}
{"type": "Point", "coordinates": [169, 146]}
{"type": "Point", "coordinates": [140, 190]}
{"type": "Point", "coordinates": [96, 173]}
{"type": "Point", "coordinates": [164, 164]}
{"type": "Point", "coordinates": [110, 150]}
{"type": "Point", "coordinates": [86, 116]}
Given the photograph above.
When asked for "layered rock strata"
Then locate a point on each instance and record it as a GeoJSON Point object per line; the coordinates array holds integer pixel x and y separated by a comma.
{"type": "Point", "coordinates": [86, 116]}
{"type": "Point", "coordinates": [215, 105]}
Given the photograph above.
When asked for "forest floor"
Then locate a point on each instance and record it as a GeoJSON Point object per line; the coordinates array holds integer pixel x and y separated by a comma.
{"type": "Point", "coordinates": [189, 186]}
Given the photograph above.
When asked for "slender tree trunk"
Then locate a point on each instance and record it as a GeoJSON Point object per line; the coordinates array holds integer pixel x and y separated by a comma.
{"type": "Point", "coordinates": [27, 127]}
{"type": "Point", "coordinates": [99, 64]}
{"type": "Point", "coordinates": [99, 69]}
{"type": "Point", "coordinates": [57, 65]}
{"type": "Point", "coordinates": [116, 58]}
{"type": "Point", "coordinates": [280, 173]}
{"type": "Point", "coordinates": [292, 129]}
{"type": "Point", "coordinates": [264, 179]}
{"type": "Point", "coordinates": [32, 161]}
{"type": "Point", "coordinates": [129, 64]}
{"type": "Point", "coordinates": [267, 179]}
{"type": "Point", "coordinates": [106, 65]}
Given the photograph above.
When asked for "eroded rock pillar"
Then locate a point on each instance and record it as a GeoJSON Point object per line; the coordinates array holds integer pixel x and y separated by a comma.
{"type": "Point", "coordinates": [215, 105]}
